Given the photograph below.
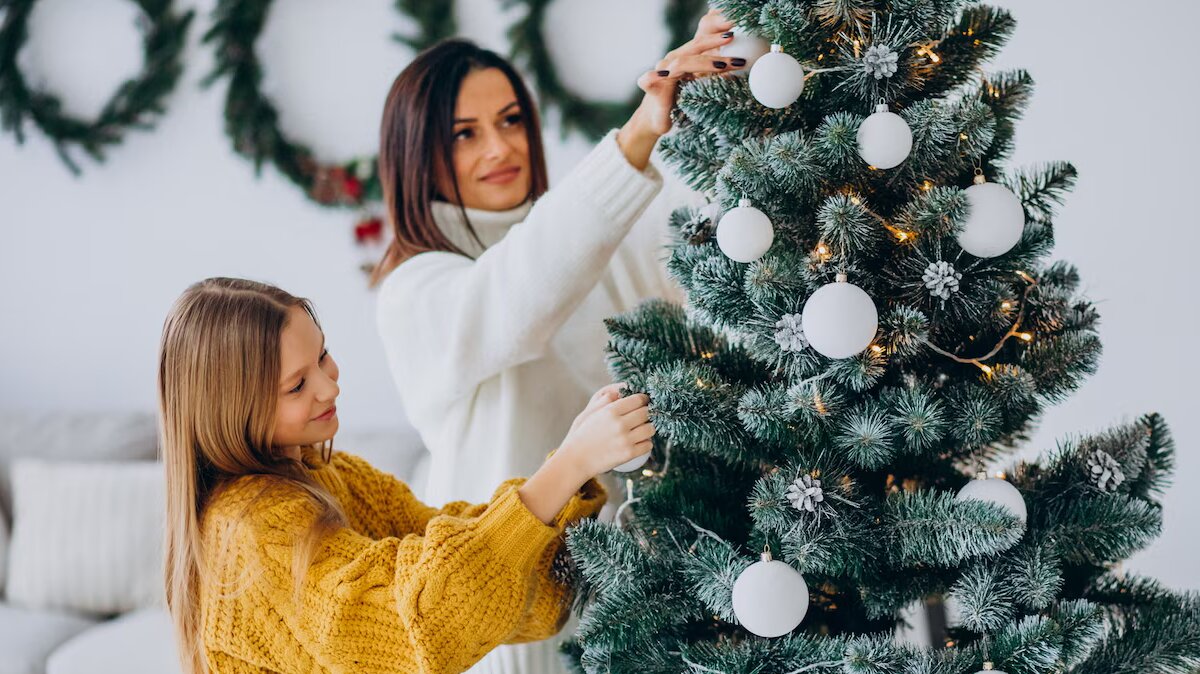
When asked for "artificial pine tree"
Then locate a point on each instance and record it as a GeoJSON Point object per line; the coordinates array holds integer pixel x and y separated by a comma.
{"type": "Point", "coordinates": [839, 378]}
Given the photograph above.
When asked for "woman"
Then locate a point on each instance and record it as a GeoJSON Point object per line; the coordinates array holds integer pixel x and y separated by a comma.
{"type": "Point", "coordinates": [493, 294]}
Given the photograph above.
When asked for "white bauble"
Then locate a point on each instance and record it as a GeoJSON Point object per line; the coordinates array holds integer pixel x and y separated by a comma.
{"type": "Point", "coordinates": [633, 464]}
{"type": "Point", "coordinates": [776, 79]}
{"type": "Point", "coordinates": [746, 45]}
{"type": "Point", "coordinates": [995, 221]}
{"type": "Point", "coordinates": [839, 320]}
{"type": "Point", "coordinates": [989, 667]}
{"type": "Point", "coordinates": [745, 233]}
{"type": "Point", "coordinates": [884, 139]}
{"type": "Point", "coordinates": [770, 598]}
{"type": "Point", "coordinates": [995, 490]}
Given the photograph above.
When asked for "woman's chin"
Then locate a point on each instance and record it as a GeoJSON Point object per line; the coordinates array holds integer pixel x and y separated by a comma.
{"type": "Point", "coordinates": [498, 197]}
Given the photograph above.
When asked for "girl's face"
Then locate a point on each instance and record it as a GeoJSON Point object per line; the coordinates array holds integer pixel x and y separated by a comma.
{"type": "Point", "coordinates": [491, 148]}
{"type": "Point", "coordinates": [305, 413]}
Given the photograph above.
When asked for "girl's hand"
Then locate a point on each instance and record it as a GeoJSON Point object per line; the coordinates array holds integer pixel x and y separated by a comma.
{"type": "Point", "coordinates": [599, 399]}
{"type": "Point", "coordinates": [608, 433]}
{"type": "Point", "coordinates": [609, 436]}
{"type": "Point", "coordinates": [697, 57]}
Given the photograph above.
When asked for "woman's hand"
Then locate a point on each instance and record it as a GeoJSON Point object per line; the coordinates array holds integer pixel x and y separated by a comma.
{"type": "Point", "coordinates": [609, 432]}
{"type": "Point", "coordinates": [699, 56]}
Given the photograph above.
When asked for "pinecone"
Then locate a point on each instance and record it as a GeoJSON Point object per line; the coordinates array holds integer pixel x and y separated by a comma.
{"type": "Point", "coordinates": [941, 279]}
{"type": "Point", "coordinates": [698, 228]}
{"type": "Point", "coordinates": [805, 493]}
{"type": "Point", "coordinates": [880, 61]}
{"type": "Point", "coordinates": [1104, 471]}
{"type": "Point", "coordinates": [789, 334]}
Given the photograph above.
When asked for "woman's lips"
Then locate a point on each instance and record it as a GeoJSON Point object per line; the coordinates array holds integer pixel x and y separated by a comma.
{"type": "Point", "coordinates": [502, 176]}
{"type": "Point", "coordinates": [328, 415]}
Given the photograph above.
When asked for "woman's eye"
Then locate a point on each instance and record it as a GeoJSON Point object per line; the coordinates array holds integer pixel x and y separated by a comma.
{"type": "Point", "coordinates": [463, 134]}
{"type": "Point", "coordinates": [297, 388]}
{"type": "Point", "coordinates": [514, 119]}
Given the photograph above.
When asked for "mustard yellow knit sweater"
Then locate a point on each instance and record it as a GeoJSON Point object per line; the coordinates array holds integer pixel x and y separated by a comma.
{"type": "Point", "coordinates": [403, 588]}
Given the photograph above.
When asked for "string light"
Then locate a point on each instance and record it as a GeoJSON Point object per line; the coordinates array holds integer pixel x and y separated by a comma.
{"type": "Point", "coordinates": [1025, 336]}
{"type": "Point", "coordinates": [927, 185]}
{"type": "Point", "coordinates": [876, 348]}
{"type": "Point", "coordinates": [1006, 305]}
{"type": "Point", "coordinates": [987, 369]}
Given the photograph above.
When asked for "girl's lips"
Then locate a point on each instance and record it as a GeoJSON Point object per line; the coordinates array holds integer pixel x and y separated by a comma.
{"type": "Point", "coordinates": [328, 415]}
{"type": "Point", "coordinates": [502, 176]}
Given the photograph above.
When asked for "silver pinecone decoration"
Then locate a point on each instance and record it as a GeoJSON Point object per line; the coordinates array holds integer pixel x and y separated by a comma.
{"type": "Point", "coordinates": [789, 334]}
{"type": "Point", "coordinates": [941, 279]}
{"type": "Point", "coordinates": [880, 61]}
{"type": "Point", "coordinates": [698, 228]}
{"type": "Point", "coordinates": [805, 493]}
{"type": "Point", "coordinates": [1104, 471]}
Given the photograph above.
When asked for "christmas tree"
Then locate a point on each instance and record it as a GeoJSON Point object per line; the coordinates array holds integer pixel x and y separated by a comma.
{"type": "Point", "coordinates": [874, 323]}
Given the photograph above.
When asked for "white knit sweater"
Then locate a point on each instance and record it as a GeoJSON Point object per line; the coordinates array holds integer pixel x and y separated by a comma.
{"type": "Point", "coordinates": [494, 356]}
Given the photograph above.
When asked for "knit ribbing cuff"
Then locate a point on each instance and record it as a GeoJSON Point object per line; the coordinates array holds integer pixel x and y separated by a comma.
{"type": "Point", "coordinates": [607, 179]}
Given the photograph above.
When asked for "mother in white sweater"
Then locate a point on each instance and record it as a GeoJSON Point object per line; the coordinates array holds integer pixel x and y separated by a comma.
{"type": "Point", "coordinates": [493, 293]}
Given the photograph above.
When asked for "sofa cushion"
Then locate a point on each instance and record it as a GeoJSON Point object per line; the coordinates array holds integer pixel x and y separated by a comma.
{"type": "Point", "coordinates": [78, 436]}
{"type": "Point", "coordinates": [28, 637]}
{"type": "Point", "coordinates": [139, 642]}
{"type": "Point", "coordinates": [86, 536]}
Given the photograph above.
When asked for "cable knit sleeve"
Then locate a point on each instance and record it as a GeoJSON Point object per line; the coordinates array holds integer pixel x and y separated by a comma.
{"type": "Point", "coordinates": [450, 322]}
{"type": "Point", "coordinates": [433, 603]}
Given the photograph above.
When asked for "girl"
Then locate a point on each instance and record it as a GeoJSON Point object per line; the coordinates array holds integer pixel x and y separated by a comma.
{"type": "Point", "coordinates": [491, 305]}
{"type": "Point", "coordinates": [285, 556]}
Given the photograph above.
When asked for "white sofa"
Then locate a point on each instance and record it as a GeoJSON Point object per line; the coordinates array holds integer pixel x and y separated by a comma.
{"type": "Point", "coordinates": [37, 639]}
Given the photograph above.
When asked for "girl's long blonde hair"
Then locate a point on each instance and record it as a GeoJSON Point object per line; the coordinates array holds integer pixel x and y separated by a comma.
{"type": "Point", "coordinates": [218, 380]}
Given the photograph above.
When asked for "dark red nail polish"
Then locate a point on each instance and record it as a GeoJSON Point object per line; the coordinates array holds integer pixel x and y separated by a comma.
{"type": "Point", "coordinates": [720, 64]}
{"type": "Point", "coordinates": [664, 73]}
{"type": "Point", "coordinates": [739, 62]}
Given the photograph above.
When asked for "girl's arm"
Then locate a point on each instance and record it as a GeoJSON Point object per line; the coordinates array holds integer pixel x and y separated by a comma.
{"type": "Point", "coordinates": [435, 602]}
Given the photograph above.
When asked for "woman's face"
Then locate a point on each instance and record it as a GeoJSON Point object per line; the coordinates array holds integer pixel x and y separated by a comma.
{"type": "Point", "coordinates": [305, 413]}
{"type": "Point", "coordinates": [490, 145]}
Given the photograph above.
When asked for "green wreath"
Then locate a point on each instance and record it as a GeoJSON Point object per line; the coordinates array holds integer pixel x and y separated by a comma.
{"type": "Point", "coordinates": [252, 122]}
{"type": "Point", "coordinates": [593, 118]}
{"type": "Point", "coordinates": [135, 104]}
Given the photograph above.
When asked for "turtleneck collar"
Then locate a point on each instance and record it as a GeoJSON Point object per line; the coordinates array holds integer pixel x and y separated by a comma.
{"type": "Point", "coordinates": [490, 226]}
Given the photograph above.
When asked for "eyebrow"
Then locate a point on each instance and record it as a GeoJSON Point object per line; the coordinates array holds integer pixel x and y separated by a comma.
{"type": "Point", "coordinates": [297, 373]}
{"type": "Point", "coordinates": [502, 111]}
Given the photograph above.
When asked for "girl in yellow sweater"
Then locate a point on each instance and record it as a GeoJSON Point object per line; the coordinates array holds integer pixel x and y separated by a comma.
{"type": "Point", "coordinates": [285, 556]}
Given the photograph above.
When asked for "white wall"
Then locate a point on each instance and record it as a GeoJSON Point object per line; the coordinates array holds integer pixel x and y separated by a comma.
{"type": "Point", "coordinates": [89, 266]}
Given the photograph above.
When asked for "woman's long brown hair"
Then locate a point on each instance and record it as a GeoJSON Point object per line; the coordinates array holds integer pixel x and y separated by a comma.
{"type": "Point", "coordinates": [416, 145]}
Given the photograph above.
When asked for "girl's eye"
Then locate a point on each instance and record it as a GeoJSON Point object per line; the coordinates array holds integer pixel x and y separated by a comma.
{"type": "Point", "coordinates": [298, 387]}
{"type": "Point", "coordinates": [323, 354]}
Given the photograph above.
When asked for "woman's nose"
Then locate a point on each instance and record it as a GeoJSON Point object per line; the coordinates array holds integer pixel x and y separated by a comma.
{"type": "Point", "coordinates": [497, 145]}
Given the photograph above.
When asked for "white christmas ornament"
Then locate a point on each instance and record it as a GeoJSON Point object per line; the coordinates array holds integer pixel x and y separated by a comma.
{"type": "Point", "coordinates": [776, 79]}
{"type": "Point", "coordinates": [995, 490]}
{"type": "Point", "coordinates": [989, 667]}
{"type": "Point", "coordinates": [746, 45]}
{"type": "Point", "coordinates": [745, 233]}
{"type": "Point", "coordinates": [840, 319]}
{"type": "Point", "coordinates": [633, 464]}
{"type": "Point", "coordinates": [884, 139]}
{"type": "Point", "coordinates": [770, 598]}
{"type": "Point", "coordinates": [995, 221]}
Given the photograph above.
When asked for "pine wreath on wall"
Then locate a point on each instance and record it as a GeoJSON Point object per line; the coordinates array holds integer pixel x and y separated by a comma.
{"type": "Point", "coordinates": [136, 104]}
{"type": "Point", "coordinates": [252, 121]}
{"type": "Point", "coordinates": [592, 118]}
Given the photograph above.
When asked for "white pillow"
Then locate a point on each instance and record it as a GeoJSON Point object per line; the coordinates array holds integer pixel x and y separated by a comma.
{"type": "Point", "coordinates": [86, 536]}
